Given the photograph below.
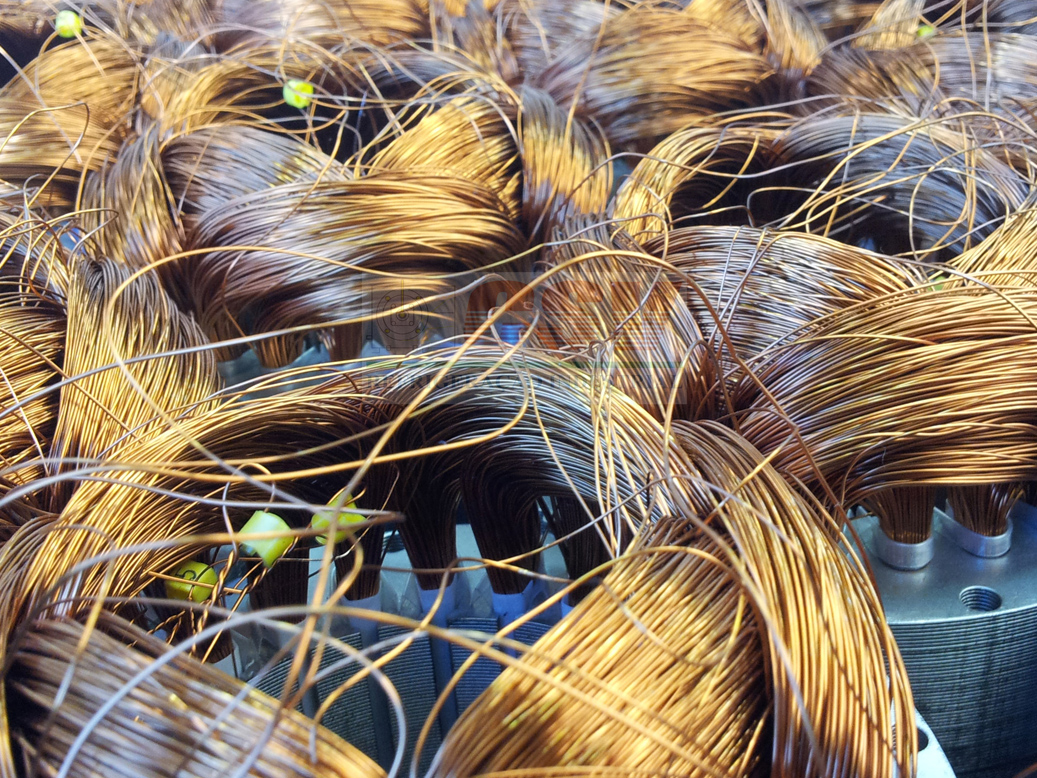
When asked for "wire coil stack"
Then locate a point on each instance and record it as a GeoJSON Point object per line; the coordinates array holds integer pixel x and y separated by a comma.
{"type": "Point", "coordinates": [570, 387]}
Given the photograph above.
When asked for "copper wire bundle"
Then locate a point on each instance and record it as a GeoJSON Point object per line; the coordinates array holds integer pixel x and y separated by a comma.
{"type": "Point", "coordinates": [905, 513]}
{"type": "Point", "coordinates": [65, 114]}
{"type": "Point", "coordinates": [444, 142]}
{"type": "Point", "coordinates": [285, 584]}
{"type": "Point", "coordinates": [468, 137]}
{"type": "Point", "coordinates": [889, 77]}
{"type": "Point", "coordinates": [563, 162]}
{"type": "Point", "coordinates": [324, 250]}
{"type": "Point", "coordinates": [365, 582]}
{"type": "Point", "coordinates": [209, 167]}
{"type": "Point", "coordinates": [569, 707]}
{"type": "Point", "coordinates": [736, 16]}
{"type": "Point", "coordinates": [164, 489]}
{"type": "Point", "coordinates": [32, 342]}
{"type": "Point", "coordinates": [365, 22]}
{"type": "Point", "coordinates": [916, 186]}
{"type": "Point", "coordinates": [994, 69]}
{"type": "Point", "coordinates": [764, 285]}
{"type": "Point", "coordinates": [429, 530]}
{"type": "Point", "coordinates": [579, 541]}
{"type": "Point", "coordinates": [606, 299]}
{"type": "Point", "coordinates": [794, 40]}
{"type": "Point", "coordinates": [500, 480]}
{"type": "Point", "coordinates": [104, 406]}
{"type": "Point", "coordinates": [129, 210]}
{"type": "Point", "coordinates": [188, 88]}
{"type": "Point", "coordinates": [795, 563]}
{"type": "Point", "coordinates": [142, 24]}
{"type": "Point", "coordinates": [94, 704]}
{"type": "Point", "coordinates": [679, 611]}
{"type": "Point", "coordinates": [916, 388]}
{"type": "Point", "coordinates": [537, 30]}
{"type": "Point", "coordinates": [970, 73]}
{"type": "Point", "coordinates": [504, 518]}
{"type": "Point", "coordinates": [983, 508]}
{"type": "Point", "coordinates": [693, 173]}
{"type": "Point", "coordinates": [579, 436]}
{"type": "Point", "coordinates": [688, 69]}
{"type": "Point", "coordinates": [894, 25]}
{"type": "Point", "coordinates": [473, 34]}
{"type": "Point", "coordinates": [1006, 258]}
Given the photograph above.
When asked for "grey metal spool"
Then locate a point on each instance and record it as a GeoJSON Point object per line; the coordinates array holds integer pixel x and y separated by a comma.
{"type": "Point", "coordinates": [967, 629]}
{"type": "Point", "coordinates": [932, 761]}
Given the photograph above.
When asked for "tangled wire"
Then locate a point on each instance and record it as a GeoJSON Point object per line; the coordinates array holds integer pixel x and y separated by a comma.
{"type": "Point", "coordinates": [673, 286]}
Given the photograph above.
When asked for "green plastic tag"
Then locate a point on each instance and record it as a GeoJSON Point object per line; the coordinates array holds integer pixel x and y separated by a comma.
{"type": "Point", "coordinates": [340, 505]}
{"type": "Point", "coordinates": [297, 93]}
{"type": "Point", "coordinates": [267, 549]}
{"type": "Point", "coordinates": [68, 24]}
{"type": "Point", "coordinates": [188, 576]}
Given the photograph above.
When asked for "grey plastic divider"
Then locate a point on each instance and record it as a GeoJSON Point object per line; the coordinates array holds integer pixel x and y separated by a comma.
{"type": "Point", "coordinates": [350, 716]}
{"type": "Point", "coordinates": [480, 674]}
{"type": "Point", "coordinates": [440, 649]}
{"type": "Point", "coordinates": [381, 717]}
{"type": "Point", "coordinates": [273, 682]}
{"type": "Point", "coordinates": [411, 674]}
{"type": "Point", "coordinates": [530, 632]}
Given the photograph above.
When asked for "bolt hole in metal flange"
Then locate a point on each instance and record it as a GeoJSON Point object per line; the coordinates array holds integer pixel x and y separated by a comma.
{"type": "Point", "coordinates": [980, 598]}
{"type": "Point", "coordinates": [923, 740]}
